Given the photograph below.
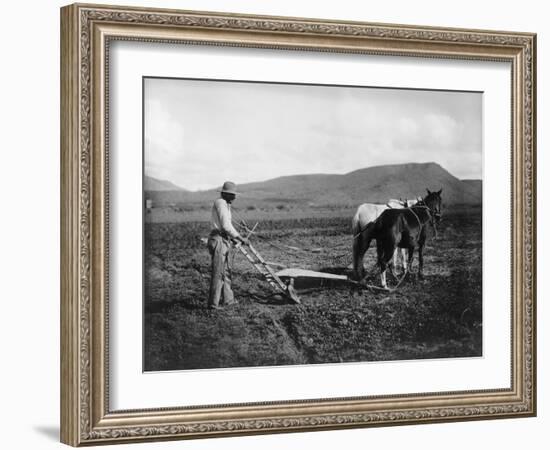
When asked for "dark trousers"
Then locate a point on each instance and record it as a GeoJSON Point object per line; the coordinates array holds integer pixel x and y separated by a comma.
{"type": "Point", "coordinates": [220, 281]}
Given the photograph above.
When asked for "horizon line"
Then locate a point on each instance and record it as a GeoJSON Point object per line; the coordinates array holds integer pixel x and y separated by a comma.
{"type": "Point", "coordinates": [309, 174]}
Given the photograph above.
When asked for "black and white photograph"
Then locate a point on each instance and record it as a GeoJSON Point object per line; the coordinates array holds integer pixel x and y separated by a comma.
{"type": "Point", "coordinates": [292, 224]}
{"type": "Point", "coordinates": [243, 225]}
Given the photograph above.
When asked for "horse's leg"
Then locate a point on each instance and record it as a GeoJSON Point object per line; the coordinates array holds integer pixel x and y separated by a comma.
{"type": "Point", "coordinates": [358, 257]}
{"type": "Point", "coordinates": [357, 260]}
{"type": "Point", "coordinates": [385, 251]}
{"type": "Point", "coordinates": [366, 244]}
{"type": "Point", "coordinates": [410, 258]}
{"type": "Point", "coordinates": [392, 264]}
{"type": "Point", "coordinates": [421, 261]}
{"type": "Point", "coordinates": [404, 259]}
{"type": "Point", "coordinates": [396, 252]}
{"type": "Point", "coordinates": [360, 246]}
{"type": "Point", "coordinates": [383, 281]}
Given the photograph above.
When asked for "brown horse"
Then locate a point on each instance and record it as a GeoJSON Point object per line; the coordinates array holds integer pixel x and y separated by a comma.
{"type": "Point", "coordinates": [364, 218]}
{"type": "Point", "coordinates": [405, 228]}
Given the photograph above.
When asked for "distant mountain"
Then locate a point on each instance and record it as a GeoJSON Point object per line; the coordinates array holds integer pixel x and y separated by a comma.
{"type": "Point", "coordinates": [377, 184]}
{"type": "Point", "coordinates": [154, 184]}
{"type": "Point", "coordinates": [373, 184]}
{"type": "Point", "coordinates": [475, 187]}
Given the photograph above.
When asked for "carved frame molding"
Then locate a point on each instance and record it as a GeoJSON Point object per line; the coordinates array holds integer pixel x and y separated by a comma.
{"type": "Point", "coordinates": [86, 31]}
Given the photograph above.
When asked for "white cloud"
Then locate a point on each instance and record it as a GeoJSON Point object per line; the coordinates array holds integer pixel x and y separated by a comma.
{"type": "Point", "coordinates": [199, 133]}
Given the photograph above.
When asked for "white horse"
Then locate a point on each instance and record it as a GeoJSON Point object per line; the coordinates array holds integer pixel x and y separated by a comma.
{"type": "Point", "coordinates": [407, 203]}
{"type": "Point", "coordinates": [361, 223]}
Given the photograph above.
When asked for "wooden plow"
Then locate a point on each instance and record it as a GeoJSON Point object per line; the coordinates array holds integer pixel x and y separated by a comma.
{"type": "Point", "coordinates": [283, 281]}
{"type": "Point", "coordinates": [262, 266]}
{"type": "Point", "coordinates": [275, 279]}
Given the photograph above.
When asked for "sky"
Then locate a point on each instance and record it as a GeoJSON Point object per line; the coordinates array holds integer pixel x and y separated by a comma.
{"type": "Point", "coordinates": [197, 133]}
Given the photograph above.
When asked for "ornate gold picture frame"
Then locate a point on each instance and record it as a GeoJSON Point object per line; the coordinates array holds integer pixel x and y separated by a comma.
{"type": "Point", "coordinates": [87, 31]}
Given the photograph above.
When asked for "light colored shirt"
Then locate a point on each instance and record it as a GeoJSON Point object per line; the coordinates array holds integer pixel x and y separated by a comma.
{"type": "Point", "coordinates": [221, 218]}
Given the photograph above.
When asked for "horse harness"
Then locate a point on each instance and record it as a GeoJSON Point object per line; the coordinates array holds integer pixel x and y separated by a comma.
{"type": "Point", "coordinates": [430, 213]}
{"type": "Point", "coordinates": [415, 215]}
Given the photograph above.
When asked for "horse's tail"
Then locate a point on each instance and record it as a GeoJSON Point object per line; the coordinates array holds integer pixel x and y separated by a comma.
{"type": "Point", "coordinates": [355, 224]}
{"type": "Point", "coordinates": [361, 241]}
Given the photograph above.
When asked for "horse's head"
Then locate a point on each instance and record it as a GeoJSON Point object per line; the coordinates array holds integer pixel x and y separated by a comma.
{"type": "Point", "coordinates": [433, 202]}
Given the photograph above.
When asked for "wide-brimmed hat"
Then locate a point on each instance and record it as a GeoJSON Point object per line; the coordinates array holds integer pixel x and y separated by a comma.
{"type": "Point", "coordinates": [229, 188]}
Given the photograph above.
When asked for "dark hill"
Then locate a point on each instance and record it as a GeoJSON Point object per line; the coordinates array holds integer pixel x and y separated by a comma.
{"type": "Point", "coordinates": [154, 184]}
{"type": "Point", "coordinates": [474, 187]}
{"type": "Point", "coordinates": [378, 184]}
{"type": "Point", "coordinates": [373, 184]}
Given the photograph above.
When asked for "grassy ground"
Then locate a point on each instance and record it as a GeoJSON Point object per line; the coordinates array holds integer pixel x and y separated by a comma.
{"type": "Point", "coordinates": [439, 316]}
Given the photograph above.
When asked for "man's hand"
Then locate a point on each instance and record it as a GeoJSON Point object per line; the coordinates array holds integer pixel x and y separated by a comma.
{"type": "Point", "coordinates": [244, 241]}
